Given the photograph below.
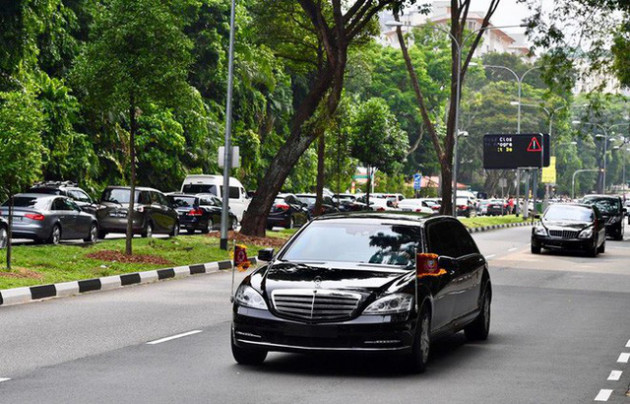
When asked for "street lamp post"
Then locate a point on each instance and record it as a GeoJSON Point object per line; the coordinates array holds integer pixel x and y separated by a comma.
{"type": "Point", "coordinates": [519, 80]}
{"type": "Point", "coordinates": [458, 62]}
{"type": "Point", "coordinates": [604, 129]}
{"type": "Point", "coordinates": [227, 156]}
{"type": "Point", "coordinates": [550, 113]}
{"type": "Point", "coordinates": [584, 170]}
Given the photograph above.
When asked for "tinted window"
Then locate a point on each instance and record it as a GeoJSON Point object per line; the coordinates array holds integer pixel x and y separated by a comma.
{"type": "Point", "coordinates": [441, 241]}
{"type": "Point", "coordinates": [42, 190]}
{"type": "Point", "coordinates": [118, 195]}
{"type": "Point", "coordinates": [309, 200]}
{"type": "Point", "coordinates": [234, 192]}
{"type": "Point", "coordinates": [357, 242]}
{"type": "Point", "coordinates": [161, 199]}
{"type": "Point", "coordinates": [29, 202]}
{"type": "Point", "coordinates": [183, 202]}
{"type": "Point", "coordinates": [60, 204]}
{"type": "Point", "coordinates": [466, 245]}
{"type": "Point", "coordinates": [200, 189]}
{"type": "Point", "coordinates": [71, 205]}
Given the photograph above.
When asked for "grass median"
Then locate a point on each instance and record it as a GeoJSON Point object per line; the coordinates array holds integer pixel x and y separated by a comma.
{"type": "Point", "coordinates": [41, 265]}
{"type": "Point", "coordinates": [481, 221]}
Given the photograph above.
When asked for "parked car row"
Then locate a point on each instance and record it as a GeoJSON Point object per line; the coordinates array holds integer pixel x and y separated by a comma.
{"type": "Point", "coordinates": [54, 211]}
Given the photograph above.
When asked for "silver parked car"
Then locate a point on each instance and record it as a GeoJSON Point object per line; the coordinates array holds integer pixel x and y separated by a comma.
{"type": "Point", "coordinates": [4, 232]}
{"type": "Point", "coordinates": [50, 218]}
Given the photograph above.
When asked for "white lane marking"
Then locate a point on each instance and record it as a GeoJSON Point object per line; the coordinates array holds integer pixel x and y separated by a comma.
{"type": "Point", "coordinates": [185, 334]}
{"type": "Point", "coordinates": [4, 379]}
{"type": "Point", "coordinates": [628, 344]}
{"type": "Point", "coordinates": [489, 257]}
{"type": "Point", "coordinates": [512, 249]}
{"type": "Point", "coordinates": [615, 375]}
{"type": "Point", "coordinates": [624, 357]}
{"type": "Point", "coordinates": [603, 395]}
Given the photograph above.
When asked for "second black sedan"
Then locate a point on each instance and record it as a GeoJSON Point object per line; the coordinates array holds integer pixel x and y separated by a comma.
{"type": "Point", "coordinates": [570, 227]}
{"type": "Point", "coordinates": [328, 205]}
{"type": "Point", "coordinates": [287, 211]}
{"type": "Point", "coordinates": [50, 218]}
{"type": "Point", "coordinates": [200, 212]}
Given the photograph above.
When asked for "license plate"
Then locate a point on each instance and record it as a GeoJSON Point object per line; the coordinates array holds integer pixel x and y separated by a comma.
{"type": "Point", "coordinates": [406, 210]}
{"type": "Point", "coordinates": [117, 214]}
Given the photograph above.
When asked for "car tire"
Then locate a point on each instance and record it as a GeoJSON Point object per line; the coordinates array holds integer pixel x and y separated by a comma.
{"type": "Point", "coordinates": [247, 356]}
{"type": "Point", "coordinates": [291, 223]}
{"type": "Point", "coordinates": [233, 224]}
{"type": "Point", "coordinates": [209, 226]}
{"type": "Point", "coordinates": [102, 234]}
{"type": "Point", "coordinates": [4, 237]}
{"type": "Point", "coordinates": [536, 249]}
{"type": "Point", "coordinates": [479, 329]}
{"type": "Point", "coordinates": [593, 251]}
{"type": "Point", "coordinates": [148, 230]}
{"type": "Point", "coordinates": [602, 249]}
{"type": "Point", "coordinates": [190, 231]}
{"type": "Point", "coordinates": [421, 349]}
{"type": "Point", "coordinates": [175, 230]}
{"type": "Point", "coordinates": [93, 234]}
{"type": "Point", "coordinates": [269, 226]}
{"type": "Point", "coordinates": [55, 235]}
{"type": "Point", "coordinates": [619, 234]}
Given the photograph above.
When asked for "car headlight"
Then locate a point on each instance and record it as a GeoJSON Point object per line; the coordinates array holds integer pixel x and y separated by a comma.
{"type": "Point", "coordinates": [540, 231]}
{"type": "Point", "coordinates": [248, 297]}
{"type": "Point", "coordinates": [390, 304]}
{"type": "Point", "coordinates": [586, 233]}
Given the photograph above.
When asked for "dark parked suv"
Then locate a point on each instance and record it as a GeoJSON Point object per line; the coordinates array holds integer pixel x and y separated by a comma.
{"type": "Point", "coordinates": [612, 210]}
{"type": "Point", "coordinates": [66, 188]}
{"type": "Point", "coordinates": [153, 213]}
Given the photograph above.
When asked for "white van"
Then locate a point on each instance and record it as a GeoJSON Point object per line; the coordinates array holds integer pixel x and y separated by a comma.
{"type": "Point", "coordinates": [213, 184]}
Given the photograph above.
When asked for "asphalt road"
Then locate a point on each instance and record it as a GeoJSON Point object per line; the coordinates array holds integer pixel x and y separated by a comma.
{"type": "Point", "coordinates": [560, 327]}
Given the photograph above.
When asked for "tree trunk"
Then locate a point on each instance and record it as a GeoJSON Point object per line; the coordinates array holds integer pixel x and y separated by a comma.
{"type": "Point", "coordinates": [321, 155]}
{"type": "Point", "coordinates": [255, 218]}
{"type": "Point", "coordinates": [446, 185]}
{"type": "Point", "coordinates": [132, 162]}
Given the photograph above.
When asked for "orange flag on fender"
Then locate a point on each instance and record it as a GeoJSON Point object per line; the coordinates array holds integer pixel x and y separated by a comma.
{"type": "Point", "coordinates": [240, 258]}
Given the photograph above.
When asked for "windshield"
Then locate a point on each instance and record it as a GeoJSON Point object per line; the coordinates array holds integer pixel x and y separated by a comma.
{"type": "Point", "coordinates": [118, 195]}
{"type": "Point", "coordinates": [309, 200]}
{"type": "Point", "coordinates": [569, 213]}
{"type": "Point", "coordinates": [358, 242]}
{"type": "Point", "coordinates": [605, 205]}
{"type": "Point", "coordinates": [182, 202]}
{"type": "Point", "coordinates": [29, 202]}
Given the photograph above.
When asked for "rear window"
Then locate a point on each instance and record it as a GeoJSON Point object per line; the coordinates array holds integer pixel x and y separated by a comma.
{"type": "Point", "coordinates": [118, 195]}
{"type": "Point", "coordinates": [29, 202]}
{"type": "Point", "coordinates": [200, 189]}
{"type": "Point", "coordinates": [182, 202]}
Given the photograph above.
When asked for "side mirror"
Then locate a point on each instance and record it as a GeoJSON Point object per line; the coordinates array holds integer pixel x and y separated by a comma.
{"type": "Point", "coordinates": [265, 254]}
{"type": "Point", "coordinates": [448, 263]}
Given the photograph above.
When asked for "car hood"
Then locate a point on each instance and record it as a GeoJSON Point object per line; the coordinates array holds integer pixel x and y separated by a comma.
{"type": "Point", "coordinates": [565, 224]}
{"type": "Point", "coordinates": [338, 276]}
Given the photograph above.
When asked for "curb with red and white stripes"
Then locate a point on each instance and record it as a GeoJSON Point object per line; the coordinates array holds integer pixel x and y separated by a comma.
{"type": "Point", "coordinates": [64, 289]}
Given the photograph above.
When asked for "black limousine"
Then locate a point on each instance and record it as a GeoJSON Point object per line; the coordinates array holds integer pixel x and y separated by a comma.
{"type": "Point", "coordinates": [382, 282]}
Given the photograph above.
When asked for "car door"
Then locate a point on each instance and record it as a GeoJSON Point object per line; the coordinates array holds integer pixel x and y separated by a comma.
{"type": "Point", "coordinates": [469, 271]}
{"type": "Point", "coordinates": [600, 226]}
{"type": "Point", "coordinates": [82, 221]}
{"type": "Point", "coordinates": [67, 217]}
{"type": "Point", "coordinates": [440, 242]}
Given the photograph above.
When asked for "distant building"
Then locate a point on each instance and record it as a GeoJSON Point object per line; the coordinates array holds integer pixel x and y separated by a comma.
{"type": "Point", "coordinates": [494, 40]}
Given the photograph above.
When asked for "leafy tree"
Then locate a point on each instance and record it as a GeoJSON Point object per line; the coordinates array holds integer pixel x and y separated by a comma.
{"type": "Point", "coordinates": [444, 145]}
{"type": "Point", "coordinates": [377, 140]}
{"type": "Point", "coordinates": [332, 28]}
{"type": "Point", "coordinates": [138, 55]}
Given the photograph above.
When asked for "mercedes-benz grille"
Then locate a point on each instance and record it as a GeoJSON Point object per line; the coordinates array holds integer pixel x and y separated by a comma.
{"type": "Point", "coordinates": [315, 304]}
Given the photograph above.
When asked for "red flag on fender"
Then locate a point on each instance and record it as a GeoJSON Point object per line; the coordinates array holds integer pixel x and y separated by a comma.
{"type": "Point", "coordinates": [240, 258]}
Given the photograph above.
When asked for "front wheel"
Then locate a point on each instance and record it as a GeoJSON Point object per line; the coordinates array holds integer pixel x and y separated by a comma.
{"type": "Point", "coordinates": [535, 249]}
{"type": "Point", "coordinates": [291, 223]}
{"type": "Point", "coordinates": [247, 356]}
{"type": "Point", "coordinates": [602, 248]}
{"type": "Point", "coordinates": [419, 356]}
{"type": "Point", "coordinates": [209, 226]}
{"type": "Point", "coordinates": [479, 329]}
{"type": "Point", "coordinates": [148, 231]}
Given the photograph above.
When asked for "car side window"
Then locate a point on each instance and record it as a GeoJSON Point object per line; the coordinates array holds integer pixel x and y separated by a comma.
{"type": "Point", "coordinates": [161, 199]}
{"type": "Point", "coordinates": [466, 245]}
{"type": "Point", "coordinates": [71, 205]}
{"type": "Point", "coordinates": [440, 241]}
{"type": "Point", "coordinates": [61, 204]}
{"type": "Point", "coordinates": [78, 195]}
